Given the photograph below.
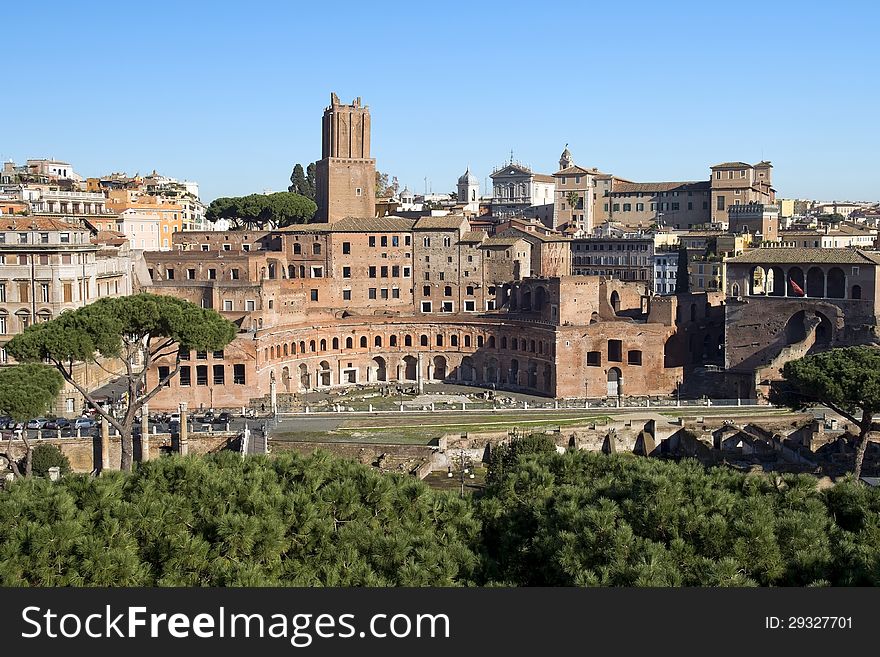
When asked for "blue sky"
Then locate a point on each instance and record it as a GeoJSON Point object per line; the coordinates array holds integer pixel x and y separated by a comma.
{"type": "Point", "coordinates": [231, 93]}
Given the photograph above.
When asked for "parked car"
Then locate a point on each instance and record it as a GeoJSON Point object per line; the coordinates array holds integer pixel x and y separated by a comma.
{"type": "Point", "coordinates": [15, 426]}
{"type": "Point", "coordinates": [58, 423]}
{"type": "Point", "coordinates": [174, 417]}
{"type": "Point", "coordinates": [223, 418]}
{"type": "Point", "coordinates": [84, 423]}
{"type": "Point", "coordinates": [37, 423]}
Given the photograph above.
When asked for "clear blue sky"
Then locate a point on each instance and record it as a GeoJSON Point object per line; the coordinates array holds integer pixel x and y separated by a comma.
{"type": "Point", "coordinates": [231, 93]}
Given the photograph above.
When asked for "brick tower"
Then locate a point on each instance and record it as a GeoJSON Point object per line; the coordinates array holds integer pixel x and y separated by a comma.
{"type": "Point", "coordinates": [345, 176]}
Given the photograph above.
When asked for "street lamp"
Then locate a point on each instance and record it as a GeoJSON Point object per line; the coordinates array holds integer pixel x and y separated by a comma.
{"type": "Point", "coordinates": [465, 471]}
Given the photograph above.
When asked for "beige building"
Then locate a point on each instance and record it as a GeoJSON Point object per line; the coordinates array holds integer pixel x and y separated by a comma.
{"type": "Point", "coordinates": [738, 183]}
{"type": "Point", "coordinates": [48, 266]}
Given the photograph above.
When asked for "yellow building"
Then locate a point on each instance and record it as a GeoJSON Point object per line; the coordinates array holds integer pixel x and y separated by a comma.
{"type": "Point", "coordinates": [169, 216]}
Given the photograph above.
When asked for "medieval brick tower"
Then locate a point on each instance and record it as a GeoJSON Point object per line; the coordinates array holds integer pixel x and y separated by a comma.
{"type": "Point", "coordinates": [345, 176]}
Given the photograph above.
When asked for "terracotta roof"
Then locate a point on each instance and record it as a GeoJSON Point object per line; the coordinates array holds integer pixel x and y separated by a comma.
{"type": "Point", "coordinates": [355, 225]}
{"type": "Point", "coordinates": [575, 170]}
{"type": "Point", "coordinates": [501, 241]}
{"type": "Point", "coordinates": [110, 237]}
{"type": "Point", "coordinates": [543, 177]}
{"type": "Point", "coordinates": [686, 186]}
{"type": "Point", "coordinates": [513, 231]}
{"type": "Point", "coordinates": [797, 256]}
{"type": "Point", "coordinates": [446, 222]}
{"type": "Point", "coordinates": [473, 236]}
{"type": "Point", "coordinates": [726, 165]}
{"type": "Point", "coordinates": [37, 223]}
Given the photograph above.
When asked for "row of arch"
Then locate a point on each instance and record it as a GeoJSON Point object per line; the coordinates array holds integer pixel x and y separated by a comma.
{"type": "Point", "coordinates": [505, 372]}
{"type": "Point", "coordinates": [816, 283]}
{"type": "Point", "coordinates": [524, 297]}
{"type": "Point", "coordinates": [408, 340]}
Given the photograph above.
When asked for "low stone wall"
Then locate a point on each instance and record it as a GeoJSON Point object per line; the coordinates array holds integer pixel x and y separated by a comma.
{"type": "Point", "coordinates": [84, 454]}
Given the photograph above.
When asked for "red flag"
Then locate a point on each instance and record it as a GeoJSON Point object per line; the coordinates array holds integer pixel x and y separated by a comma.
{"type": "Point", "coordinates": [797, 288]}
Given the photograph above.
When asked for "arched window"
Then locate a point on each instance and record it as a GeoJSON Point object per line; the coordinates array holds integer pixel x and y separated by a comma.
{"type": "Point", "coordinates": [302, 346]}
{"type": "Point", "coordinates": [312, 345]}
{"type": "Point", "coordinates": [285, 348]}
{"type": "Point", "coordinates": [423, 340]}
{"type": "Point", "coordinates": [479, 341]}
{"type": "Point", "coordinates": [514, 345]}
{"type": "Point", "coordinates": [453, 340]}
{"type": "Point", "coordinates": [439, 339]}
{"type": "Point", "coordinates": [467, 341]}
{"type": "Point", "coordinates": [407, 341]}
{"type": "Point", "coordinates": [335, 343]}
{"type": "Point", "coordinates": [293, 348]}
{"type": "Point", "coordinates": [856, 292]}
{"type": "Point", "coordinates": [363, 342]}
{"type": "Point", "coordinates": [392, 340]}
{"type": "Point", "coordinates": [377, 341]}
{"type": "Point", "coordinates": [297, 249]}
{"type": "Point", "coordinates": [291, 271]}
{"type": "Point", "coordinates": [302, 271]}
{"type": "Point", "coordinates": [447, 291]}
{"type": "Point", "coordinates": [504, 342]}
{"type": "Point", "coordinates": [349, 343]}
{"type": "Point", "coordinates": [272, 352]}
{"type": "Point", "coordinates": [491, 344]}
{"type": "Point", "coordinates": [316, 248]}
{"type": "Point", "coordinates": [323, 345]}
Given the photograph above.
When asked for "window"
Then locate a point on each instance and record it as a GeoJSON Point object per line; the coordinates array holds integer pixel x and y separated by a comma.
{"type": "Point", "coordinates": [217, 355]}
{"type": "Point", "coordinates": [426, 290]}
{"type": "Point", "coordinates": [447, 291]}
{"type": "Point", "coordinates": [314, 294]}
{"type": "Point", "coordinates": [470, 306]}
{"type": "Point", "coordinates": [316, 248]}
{"type": "Point", "coordinates": [423, 340]}
{"type": "Point", "coordinates": [407, 341]}
{"type": "Point", "coordinates": [227, 305]}
{"type": "Point", "coordinates": [426, 306]}
{"type": "Point", "coordinates": [233, 274]}
{"type": "Point", "coordinates": [191, 274]}
{"type": "Point", "coordinates": [358, 191]}
{"type": "Point", "coordinates": [627, 207]}
{"type": "Point", "coordinates": [372, 240]}
{"type": "Point", "coordinates": [346, 294]}
{"type": "Point", "coordinates": [227, 247]}
{"type": "Point", "coordinates": [185, 378]}
{"type": "Point", "coordinates": [244, 247]}
{"type": "Point", "coordinates": [204, 247]}
{"type": "Point", "coordinates": [297, 249]}
{"type": "Point", "coordinates": [22, 238]}
{"type": "Point", "coordinates": [202, 375]}
{"type": "Point", "coordinates": [169, 274]}
{"type": "Point", "coordinates": [395, 271]}
{"type": "Point", "coordinates": [446, 307]}
{"type": "Point", "coordinates": [406, 272]}
{"type": "Point", "coordinates": [372, 293]}
{"type": "Point", "coordinates": [238, 374]}
{"type": "Point", "coordinates": [615, 351]}
{"type": "Point", "coordinates": [383, 293]}
{"type": "Point", "coordinates": [65, 238]}
{"type": "Point", "coordinates": [219, 375]}
{"type": "Point", "coordinates": [384, 272]}
{"type": "Point", "coordinates": [616, 207]}
{"type": "Point", "coordinates": [372, 273]}
{"type": "Point", "coordinates": [426, 241]}
{"type": "Point", "coordinates": [406, 241]}
{"type": "Point", "coordinates": [395, 240]}
{"type": "Point", "coordinates": [44, 292]}
{"type": "Point", "coordinates": [640, 207]}
{"type": "Point", "coordinates": [395, 293]}
{"type": "Point", "coordinates": [634, 357]}
{"type": "Point", "coordinates": [346, 248]}
{"type": "Point", "coordinates": [250, 305]}
{"type": "Point", "coordinates": [383, 241]}
{"type": "Point", "coordinates": [720, 203]}
{"type": "Point", "coordinates": [594, 359]}
{"type": "Point", "coordinates": [447, 241]}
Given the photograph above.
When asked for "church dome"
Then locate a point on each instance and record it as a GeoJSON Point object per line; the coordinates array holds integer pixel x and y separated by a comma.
{"type": "Point", "coordinates": [467, 178]}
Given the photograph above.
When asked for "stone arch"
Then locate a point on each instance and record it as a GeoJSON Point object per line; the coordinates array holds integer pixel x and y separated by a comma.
{"type": "Point", "coordinates": [335, 344]}
{"type": "Point", "coordinates": [758, 281]}
{"type": "Point", "coordinates": [526, 305]}
{"type": "Point", "coordinates": [303, 376]}
{"type": "Point", "coordinates": [492, 370]}
{"type": "Point", "coordinates": [285, 378]}
{"type": "Point", "coordinates": [410, 368]}
{"type": "Point", "coordinates": [836, 283]}
{"type": "Point", "coordinates": [467, 371]}
{"type": "Point", "coordinates": [795, 281]}
{"type": "Point", "coordinates": [363, 342]}
{"type": "Point", "coordinates": [438, 372]}
{"type": "Point", "coordinates": [615, 382]}
{"type": "Point", "coordinates": [380, 368]}
{"type": "Point", "coordinates": [815, 283]}
{"type": "Point", "coordinates": [776, 282]}
{"type": "Point", "coordinates": [513, 372]}
{"type": "Point", "coordinates": [615, 301]}
{"type": "Point", "coordinates": [324, 374]}
{"type": "Point", "coordinates": [856, 292]}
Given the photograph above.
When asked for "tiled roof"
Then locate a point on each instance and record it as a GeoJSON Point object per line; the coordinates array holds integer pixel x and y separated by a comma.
{"type": "Point", "coordinates": [473, 236]}
{"type": "Point", "coordinates": [111, 237]}
{"type": "Point", "coordinates": [501, 241]}
{"type": "Point", "coordinates": [543, 177]}
{"type": "Point", "coordinates": [574, 170]}
{"type": "Point", "coordinates": [446, 222]}
{"type": "Point", "coordinates": [725, 165]}
{"type": "Point", "coordinates": [797, 255]}
{"type": "Point", "coordinates": [37, 223]}
{"type": "Point", "coordinates": [355, 225]}
{"type": "Point", "coordinates": [513, 231]}
{"type": "Point", "coordinates": [686, 186]}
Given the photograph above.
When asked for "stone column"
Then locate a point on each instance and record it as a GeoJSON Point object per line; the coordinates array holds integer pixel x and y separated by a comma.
{"type": "Point", "coordinates": [273, 393]}
{"type": "Point", "coordinates": [184, 430]}
{"type": "Point", "coordinates": [105, 444]}
{"type": "Point", "coordinates": [145, 433]}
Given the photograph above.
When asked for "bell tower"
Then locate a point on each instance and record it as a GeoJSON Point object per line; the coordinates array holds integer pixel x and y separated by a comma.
{"type": "Point", "coordinates": [345, 176]}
